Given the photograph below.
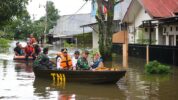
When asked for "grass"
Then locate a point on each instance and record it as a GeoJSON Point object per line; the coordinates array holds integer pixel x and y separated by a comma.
{"type": "Point", "coordinates": [4, 43]}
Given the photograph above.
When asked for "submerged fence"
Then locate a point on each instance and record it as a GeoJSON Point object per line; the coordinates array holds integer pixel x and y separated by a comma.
{"type": "Point", "coordinates": [163, 54]}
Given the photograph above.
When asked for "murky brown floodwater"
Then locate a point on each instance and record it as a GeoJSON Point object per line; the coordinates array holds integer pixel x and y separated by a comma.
{"type": "Point", "coordinates": [17, 81]}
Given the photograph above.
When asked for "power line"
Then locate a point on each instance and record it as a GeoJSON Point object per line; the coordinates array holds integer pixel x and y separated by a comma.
{"type": "Point", "coordinates": [76, 11]}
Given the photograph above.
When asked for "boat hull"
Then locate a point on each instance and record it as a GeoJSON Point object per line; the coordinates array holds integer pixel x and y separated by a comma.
{"type": "Point", "coordinates": [21, 58]}
{"type": "Point", "coordinates": [80, 76]}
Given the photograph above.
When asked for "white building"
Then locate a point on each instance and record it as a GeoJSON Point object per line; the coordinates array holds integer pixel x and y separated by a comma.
{"type": "Point", "coordinates": [147, 20]}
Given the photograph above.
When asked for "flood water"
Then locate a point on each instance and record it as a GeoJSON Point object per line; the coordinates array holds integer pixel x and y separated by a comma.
{"type": "Point", "coordinates": [17, 81]}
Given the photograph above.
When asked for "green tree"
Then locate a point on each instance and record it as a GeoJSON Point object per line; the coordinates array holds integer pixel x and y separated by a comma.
{"type": "Point", "coordinates": [105, 24]}
{"type": "Point", "coordinates": [20, 25]}
{"type": "Point", "coordinates": [52, 15]}
{"type": "Point", "coordinates": [11, 8]}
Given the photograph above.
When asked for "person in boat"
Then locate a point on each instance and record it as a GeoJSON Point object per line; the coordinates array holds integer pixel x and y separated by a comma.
{"type": "Point", "coordinates": [75, 59]}
{"type": "Point", "coordinates": [37, 49]}
{"type": "Point", "coordinates": [64, 60]}
{"type": "Point", "coordinates": [97, 61]}
{"type": "Point", "coordinates": [82, 63]}
{"type": "Point", "coordinates": [43, 61]}
{"type": "Point", "coordinates": [18, 50]}
{"type": "Point", "coordinates": [29, 51]}
{"type": "Point", "coordinates": [32, 40]}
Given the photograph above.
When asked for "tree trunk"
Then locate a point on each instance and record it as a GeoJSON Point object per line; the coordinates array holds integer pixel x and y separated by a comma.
{"type": "Point", "coordinates": [105, 29]}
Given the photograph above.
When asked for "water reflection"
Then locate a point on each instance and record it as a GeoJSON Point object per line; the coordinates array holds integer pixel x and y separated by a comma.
{"type": "Point", "coordinates": [77, 91]}
{"type": "Point", "coordinates": [23, 67]}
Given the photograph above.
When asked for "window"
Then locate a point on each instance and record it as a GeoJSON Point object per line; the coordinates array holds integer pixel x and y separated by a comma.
{"type": "Point", "coordinates": [177, 28]}
{"type": "Point", "coordinates": [171, 29]}
{"type": "Point", "coordinates": [164, 29]}
{"type": "Point", "coordinates": [152, 29]}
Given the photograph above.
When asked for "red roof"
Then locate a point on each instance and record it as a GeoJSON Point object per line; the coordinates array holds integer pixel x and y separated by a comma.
{"type": "Point", "coordinates": [161, 8]}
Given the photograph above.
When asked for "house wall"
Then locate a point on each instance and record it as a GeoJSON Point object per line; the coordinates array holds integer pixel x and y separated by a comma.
{"type": "Point", "coordinates": [161, 37]}
{"type": "Point", "coordinates": [95, 40]}
{"type": "Point", "coordinates": [141, 16]}
{"type": "Point", "coordinates": [171, 33]}
{"type": "Point", "coordinates": [95, 36]}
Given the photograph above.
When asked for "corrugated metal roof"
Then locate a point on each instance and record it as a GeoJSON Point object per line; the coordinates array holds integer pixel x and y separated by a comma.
{"type": "Point", "coordinates": [161, 8]}
{"type": "Point", "coordinates": [69, 25]}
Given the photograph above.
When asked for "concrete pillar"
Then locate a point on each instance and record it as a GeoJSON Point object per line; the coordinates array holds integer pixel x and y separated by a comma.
{"type": "Point", "coordinates": [125, 50]}
{"type": "Point", "coordinates": [147, 54]}
{"type": "Point", "coordinates": [125, 55]}
{"type": "Point", "coordinates": [167, 39]}
{"type": "Point", "coordinates": [95, 40]}
{"type": "Point", "coordinates": [157, 35]}
{"type": "Point", "coordinates": [174, 40]}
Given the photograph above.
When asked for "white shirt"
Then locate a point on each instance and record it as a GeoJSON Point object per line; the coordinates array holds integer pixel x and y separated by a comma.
{"type": "Point", "coordinates": [74, 62]}
{"type": "Point", "coordinates": [59, 63]}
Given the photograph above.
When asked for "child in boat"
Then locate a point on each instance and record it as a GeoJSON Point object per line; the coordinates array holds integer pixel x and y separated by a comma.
{"type": "Point", "coordinates": [75, 59]}
{"type": "Point", "coordinates": [97, 62]}
{"type": "Point", "coordinates": [43, 61]}
{"type": "Point", "coordinates": [82, 63]}
{"type": "Point", "coordinates": [18, 50]}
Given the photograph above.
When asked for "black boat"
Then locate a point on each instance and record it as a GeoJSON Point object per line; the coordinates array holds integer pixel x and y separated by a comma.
{"type": "Point", "coordinates": [86, 76]}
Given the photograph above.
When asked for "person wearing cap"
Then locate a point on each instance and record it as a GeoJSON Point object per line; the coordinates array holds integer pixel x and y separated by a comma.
{"type": "Point", "coordinates": [29, 51]}
{"type": "Point", "coordinates": [64, 60]}
{"type": "Point", "coordinates": [82, 63]}
{"type": "Point", "coordinates": [18, 50]}
{"type": "Point", "coordinates": [43, 61]}
{"type": "Point", "coordinates": [75, 59]}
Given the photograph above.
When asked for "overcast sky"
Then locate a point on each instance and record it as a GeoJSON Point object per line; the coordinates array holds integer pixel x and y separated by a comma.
{"type": "Point", "coordinates": [36, 7]}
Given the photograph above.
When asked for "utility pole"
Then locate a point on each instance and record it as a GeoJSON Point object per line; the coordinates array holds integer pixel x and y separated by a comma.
{"type": "Point", "coordinates": [46, 22]}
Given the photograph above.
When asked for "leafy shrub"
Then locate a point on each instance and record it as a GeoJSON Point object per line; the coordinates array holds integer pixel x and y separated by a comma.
{"type": "Point", "coordinates": [4, 43]}
{"type": "Point", "coordinates": [155, 67]}
{"type": "Point", "coordinates": [68, 45]}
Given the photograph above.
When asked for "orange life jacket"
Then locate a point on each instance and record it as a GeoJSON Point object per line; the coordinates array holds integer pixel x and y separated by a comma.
{"type": "Point", "coordinates": [66, 62]}
{"type": "Point", "coordinates": [32, 40]}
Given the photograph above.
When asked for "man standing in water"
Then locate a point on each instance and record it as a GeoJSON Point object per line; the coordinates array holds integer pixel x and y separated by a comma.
{"type": "Point", "coordinates": [32, 39]}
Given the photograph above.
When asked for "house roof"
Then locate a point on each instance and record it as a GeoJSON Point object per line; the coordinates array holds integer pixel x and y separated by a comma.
{"type": "Point", "coordinates": [69, 25]}
{"type": "Point", "coordinates": [155, 8]}
{"type": "Point", "coordinates": [160, 8]}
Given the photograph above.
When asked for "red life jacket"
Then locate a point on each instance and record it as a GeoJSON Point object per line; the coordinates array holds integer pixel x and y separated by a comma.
{"type": "Point", "coordinates": [29, 49]}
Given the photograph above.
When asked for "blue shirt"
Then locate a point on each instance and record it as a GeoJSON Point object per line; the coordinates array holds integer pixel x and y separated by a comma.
{"type": "Point", "coordinates": [96, 63]}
